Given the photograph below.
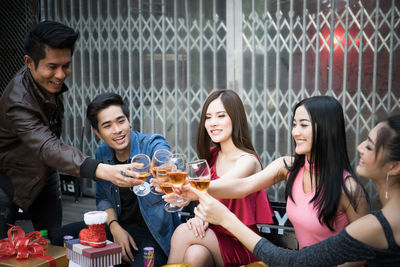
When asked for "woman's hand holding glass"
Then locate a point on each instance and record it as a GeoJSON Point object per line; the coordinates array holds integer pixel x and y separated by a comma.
{"type": "Point", "coordinates": [141, 163]}
{"type": "Point", "coordinates": [199, 177]}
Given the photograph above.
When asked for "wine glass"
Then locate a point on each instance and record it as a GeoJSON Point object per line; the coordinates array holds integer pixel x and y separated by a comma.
{"type": "Point", "coordinates": [178, 173]}
{"type": "Point", "coordinates": [160, 158]}
{"type": "Point", "coordinates": [199, 174]}
{"type": "Point", "coordinates": [142, 167]}
{"type": "Point", "coordinates": [166, 186]}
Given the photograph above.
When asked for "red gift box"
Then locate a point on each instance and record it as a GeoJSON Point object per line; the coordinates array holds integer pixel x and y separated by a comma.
{"type": "Point", "coordinates": [29, 250]}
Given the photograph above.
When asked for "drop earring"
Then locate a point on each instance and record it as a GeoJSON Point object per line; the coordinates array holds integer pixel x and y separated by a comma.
{"type": "Point", "coordinates": [387, 186]}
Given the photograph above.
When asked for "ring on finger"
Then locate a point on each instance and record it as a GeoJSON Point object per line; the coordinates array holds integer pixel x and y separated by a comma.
{"type": "Point", "coordinates": [123, 172]}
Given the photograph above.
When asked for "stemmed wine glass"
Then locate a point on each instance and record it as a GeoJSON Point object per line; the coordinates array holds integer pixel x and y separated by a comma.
{"type": "Point", "coordinates": [167, 187]}
{"type": "Point", "coordinates": [142, 167]}
{"type": "Point", "coordinates": [199, 174]}
{"type": "Point", "coordinates": [159, 160]}
{"type": "Point", "coordinates": [177, 176]}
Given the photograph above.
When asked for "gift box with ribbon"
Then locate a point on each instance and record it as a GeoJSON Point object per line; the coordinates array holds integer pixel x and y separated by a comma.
{"type": "Point", "coordinates": [87, 256]}
{"type": "Point", "coordinates": [30, 250]}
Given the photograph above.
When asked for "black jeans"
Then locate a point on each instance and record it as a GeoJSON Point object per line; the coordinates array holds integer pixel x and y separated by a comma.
{"type": "Point", "coordinates": [141, 235]}
{"type": "Point", "coordinates": [143, 238]}
{"type": "Point", "coordinates": [45, 212]}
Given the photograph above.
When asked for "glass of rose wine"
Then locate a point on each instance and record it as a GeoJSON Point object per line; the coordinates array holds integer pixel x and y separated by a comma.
{"type": "Point", "coordinates": [159, 160]}
{"type": "Point", "coordinates": [199, 174]}
{"type": "Point", "coordinates": [142, 166]}
{"type": "Point", "coordinates": [166, 187]}
{"type": "Point", "coordinates": [177, 175]}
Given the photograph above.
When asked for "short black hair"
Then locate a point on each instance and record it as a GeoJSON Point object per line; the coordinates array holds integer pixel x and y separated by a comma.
{"type": "Point", "coordinates": [101, 102]}
{"type": "Point", "coordinates": [48, 33]}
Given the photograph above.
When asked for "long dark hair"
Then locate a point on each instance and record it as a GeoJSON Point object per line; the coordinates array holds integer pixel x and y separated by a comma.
{"type": "Point", "coordinates": [240, 131]}
{"type": "Point", "coordinates": [329, 159]}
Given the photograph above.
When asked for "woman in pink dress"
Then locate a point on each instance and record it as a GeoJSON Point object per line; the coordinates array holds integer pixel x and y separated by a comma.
{"type": "Point", "coordinates": [223, 139]}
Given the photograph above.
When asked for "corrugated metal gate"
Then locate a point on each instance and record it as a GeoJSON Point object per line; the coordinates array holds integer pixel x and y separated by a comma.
{"type": "Point", "coordinates": [16, 17]}
{"type": "Point", "coordinates": [165, 57]}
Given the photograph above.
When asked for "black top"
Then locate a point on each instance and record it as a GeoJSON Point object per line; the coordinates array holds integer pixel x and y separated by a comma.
{"type": "Point", "coordinates": [333, 251]}
{"type": "Point", "coordinates": [130, 210]}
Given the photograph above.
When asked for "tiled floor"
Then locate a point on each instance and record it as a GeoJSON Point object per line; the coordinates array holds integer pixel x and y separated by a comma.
{"type": "Point", "coordinates": [72, 211]}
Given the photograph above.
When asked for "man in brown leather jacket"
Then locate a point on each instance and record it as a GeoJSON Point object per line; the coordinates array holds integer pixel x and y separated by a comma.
{"type": "Point", "coordinates": [31, 113]}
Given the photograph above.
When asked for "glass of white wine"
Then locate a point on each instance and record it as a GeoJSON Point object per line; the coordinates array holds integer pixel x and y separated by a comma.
{"type": "Point", "coordinates": [199, 174]}
{"type": "Point", "coordinates": [142, 166]}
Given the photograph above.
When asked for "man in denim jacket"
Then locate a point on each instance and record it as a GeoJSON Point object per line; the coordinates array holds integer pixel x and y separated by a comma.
{"type": "Point", "coordinates": [134, 222]}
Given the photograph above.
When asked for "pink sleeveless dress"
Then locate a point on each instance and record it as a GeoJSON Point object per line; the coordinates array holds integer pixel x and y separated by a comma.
{"type": "Point", "coordinates": [304, 217]}
{"type": "Point", "coordinates": [251, 210]}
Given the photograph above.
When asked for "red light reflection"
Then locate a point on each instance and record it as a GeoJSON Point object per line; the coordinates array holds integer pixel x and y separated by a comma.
{"type": "Point", "coordinates": [339, 38]}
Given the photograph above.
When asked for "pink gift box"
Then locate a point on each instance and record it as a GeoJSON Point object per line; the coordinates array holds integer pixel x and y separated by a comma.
{"type": "Point", "coordinates": [87, 256]}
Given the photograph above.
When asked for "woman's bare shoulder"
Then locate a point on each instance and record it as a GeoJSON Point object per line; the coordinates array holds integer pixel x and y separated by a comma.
{"type": "Point", "coordinates": [248, 160]}
{"type": "Point", "coordinates": [368, 230]}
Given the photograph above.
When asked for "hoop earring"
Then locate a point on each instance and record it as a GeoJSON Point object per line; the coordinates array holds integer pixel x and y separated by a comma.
{"type": "Point", "coordinates": [387, 186]}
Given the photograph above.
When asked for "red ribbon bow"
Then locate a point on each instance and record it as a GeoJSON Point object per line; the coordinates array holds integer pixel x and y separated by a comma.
{"type": "Point", "coordinates": [22, 245]}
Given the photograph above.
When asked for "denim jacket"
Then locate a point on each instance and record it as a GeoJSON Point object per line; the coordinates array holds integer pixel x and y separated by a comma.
{"type": "Point", "coordinates": [160, 223]}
